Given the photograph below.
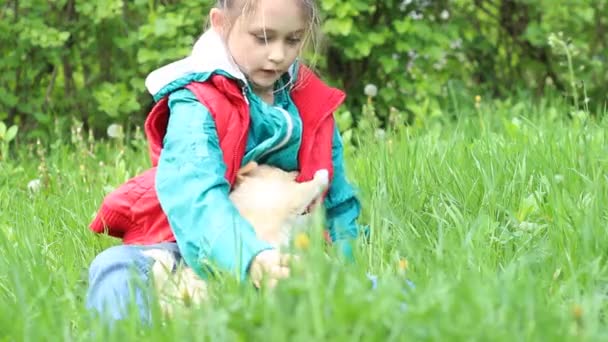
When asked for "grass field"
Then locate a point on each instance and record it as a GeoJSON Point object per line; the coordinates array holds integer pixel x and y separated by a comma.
{"type": "Point", "coordinates": [499, 217]}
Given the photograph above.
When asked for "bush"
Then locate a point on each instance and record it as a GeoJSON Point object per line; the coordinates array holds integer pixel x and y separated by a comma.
{"type": "Point", "coordinates": [87, 60]}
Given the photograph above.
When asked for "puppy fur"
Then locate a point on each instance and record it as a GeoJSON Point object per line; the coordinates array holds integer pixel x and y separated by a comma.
{"type": "Point", "coordinates": [275, 205]}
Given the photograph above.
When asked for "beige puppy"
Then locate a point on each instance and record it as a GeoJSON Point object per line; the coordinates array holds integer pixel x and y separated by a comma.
{"type": "Point", "coordinates": [271, 200]}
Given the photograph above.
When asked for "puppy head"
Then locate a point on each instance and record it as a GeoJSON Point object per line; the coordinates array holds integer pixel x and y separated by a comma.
{"type": "Point", "coordinates": [272, 201]}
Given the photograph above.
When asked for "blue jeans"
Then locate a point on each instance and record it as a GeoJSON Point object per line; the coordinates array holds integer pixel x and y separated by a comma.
{"type": "Point", "coordinates": [119, 279]}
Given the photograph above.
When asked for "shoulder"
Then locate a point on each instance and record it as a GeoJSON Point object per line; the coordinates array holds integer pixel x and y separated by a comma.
{"type": "Point", "coordinates": [181, 96]}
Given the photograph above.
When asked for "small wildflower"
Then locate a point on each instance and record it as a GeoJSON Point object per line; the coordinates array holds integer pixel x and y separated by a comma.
{"type": "Point", "coordinates": [302, 241]}
{"type": "Point", "coordinates": [577, 312]}
{"type": "Point", "coordinates": [370, 90]}
{"type": "Point", "coordinates": [477, 101]}
{"type": "Point", "coordinates": [403, 264]}
{"type": "Point", "coordinates": [558, 178]}
{"type": "Point", "coordinates": [114, 131]}
{"type": "Point", "coordinates": [34, 185]}
{"type": "Point", "coordinates": [445, 15]}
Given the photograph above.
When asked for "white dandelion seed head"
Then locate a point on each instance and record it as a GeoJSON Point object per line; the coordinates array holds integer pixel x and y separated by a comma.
{"type": "Point", "coordinates": [34, 185]}
{"type": "Point", "coordinates": [370, 90]}
{"type": "Point", "coordinates": [114, 131]}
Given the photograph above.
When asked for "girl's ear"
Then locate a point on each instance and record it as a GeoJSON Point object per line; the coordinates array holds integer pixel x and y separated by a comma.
{"type": "Point", "coordinates": [219, 20]}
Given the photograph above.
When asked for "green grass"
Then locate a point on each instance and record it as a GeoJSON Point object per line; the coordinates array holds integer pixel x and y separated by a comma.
{"type": "Point", "coordinates": [501, 215]}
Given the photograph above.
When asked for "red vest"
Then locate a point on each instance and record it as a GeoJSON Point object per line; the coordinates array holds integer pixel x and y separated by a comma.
{"type": "Point", "coordinates": [133, 213]}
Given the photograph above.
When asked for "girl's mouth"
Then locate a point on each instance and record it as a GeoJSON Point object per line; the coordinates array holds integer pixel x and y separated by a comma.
{"type": "Point", "coordinates": [270, 72]}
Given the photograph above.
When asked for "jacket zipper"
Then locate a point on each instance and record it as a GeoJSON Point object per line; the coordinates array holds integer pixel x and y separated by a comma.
{"type": "Point", "coordinates": [235, 160]}
{"type": "Point", "coordinates": [287, 135]}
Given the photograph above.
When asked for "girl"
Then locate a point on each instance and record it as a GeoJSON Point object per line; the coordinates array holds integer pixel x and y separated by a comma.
{"type": "Point", "coordinates": [241, 96]}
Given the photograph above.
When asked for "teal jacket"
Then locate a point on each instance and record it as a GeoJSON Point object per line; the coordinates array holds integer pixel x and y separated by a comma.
{"type": "Point", "coordinates": [190, 181]}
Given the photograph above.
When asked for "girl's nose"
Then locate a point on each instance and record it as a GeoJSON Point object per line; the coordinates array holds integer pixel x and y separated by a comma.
{"type": "Point", "coordinates": [277, 53]}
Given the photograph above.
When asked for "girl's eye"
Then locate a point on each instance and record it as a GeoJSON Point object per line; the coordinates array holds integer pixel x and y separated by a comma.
{"type": "Point", "coordinates": [293, 41]}
{"type": "Point", "coordinates": [261, 39]}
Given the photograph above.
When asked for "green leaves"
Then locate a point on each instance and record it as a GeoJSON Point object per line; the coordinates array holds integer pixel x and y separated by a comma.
{"type": "Point", "coordinates": [89, 58]}
{"type": "Point", "coordinates": [116, 100]}
{"type": "Point", "coordinates": [100, 10]}
{"type": "Point", "coordinates": [338, 26]}
{"type": "Point", "coordinates": [7, 135]}
{"type": "Point", "coordinates": [40, 35]}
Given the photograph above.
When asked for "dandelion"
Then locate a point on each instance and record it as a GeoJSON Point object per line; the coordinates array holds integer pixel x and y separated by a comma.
{"type": "Point", "coordinates": [403, 264]}
{"type": "Point", "coordinates": [114, 131]}
{"type": "Point", "coordinates": [445, 15]}
{"type": "Point", "coordinates": [477, 101]}
{"type": "Point", "coordinates": [302, 241]}
{"type": "Point", "coordinates": [577, 312]}
{"type": "Point", "coordinates": [34, 185]}
{"type": "Point", "coordinates": [370, 90]}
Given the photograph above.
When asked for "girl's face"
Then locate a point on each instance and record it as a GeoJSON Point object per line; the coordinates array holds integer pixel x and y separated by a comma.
{"type": "Point", "coordinates": [265, 42]}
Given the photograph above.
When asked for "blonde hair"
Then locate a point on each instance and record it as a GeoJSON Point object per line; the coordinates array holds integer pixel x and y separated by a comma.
{"type": "Point", "coordinates": [312, 38]}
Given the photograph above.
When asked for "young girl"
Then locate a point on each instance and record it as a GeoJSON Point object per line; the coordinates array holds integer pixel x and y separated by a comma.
{"type": "Point", "coordinates": [241, 96]}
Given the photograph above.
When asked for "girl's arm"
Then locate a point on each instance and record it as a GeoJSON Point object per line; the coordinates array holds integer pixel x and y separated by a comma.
{"type": "Point", "coordinates": [193, 192]}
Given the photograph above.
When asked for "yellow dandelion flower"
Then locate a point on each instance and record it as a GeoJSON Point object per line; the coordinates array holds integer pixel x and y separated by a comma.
{"type": "Point", "coordinates": [577, 312]}
{"type": "Point", "coordinates": [302, 241]}
{"type": "Point", "coordinates": [477, 98]}
{"type": "Point", "coordinates": [403, 264]}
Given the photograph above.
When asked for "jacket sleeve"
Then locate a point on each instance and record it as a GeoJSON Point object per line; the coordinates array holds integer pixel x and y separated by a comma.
{"type": "Point", "coordinates": [193, 193]}
{"type": "Point", "coordinates": [342, 205]}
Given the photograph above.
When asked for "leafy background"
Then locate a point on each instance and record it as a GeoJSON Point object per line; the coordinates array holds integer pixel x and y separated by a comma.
{"type": "Point", "coordinates": [65, 60]}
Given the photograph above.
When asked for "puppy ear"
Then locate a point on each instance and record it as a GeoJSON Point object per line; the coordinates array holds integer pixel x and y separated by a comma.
{"type": "Point", "coordinates": [243, 171]}
{"type": "Point", "coordinates": [308, 194]}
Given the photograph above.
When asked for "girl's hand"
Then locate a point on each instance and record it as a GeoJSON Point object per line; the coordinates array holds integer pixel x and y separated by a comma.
{"type": "Point", "coordinates": [271, 266]}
